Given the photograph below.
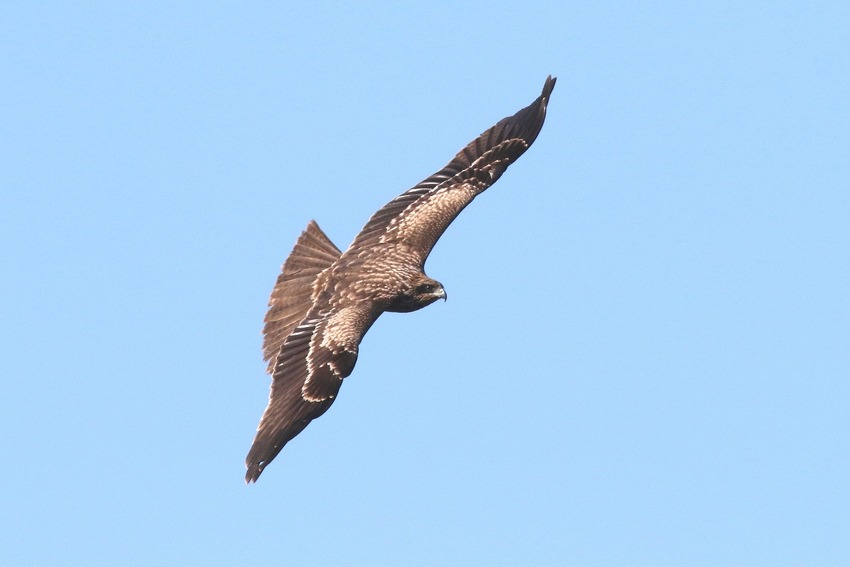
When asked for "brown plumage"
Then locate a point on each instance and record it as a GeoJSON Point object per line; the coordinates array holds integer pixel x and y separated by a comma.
{"type": "Point", "coordinates": [324, 300]}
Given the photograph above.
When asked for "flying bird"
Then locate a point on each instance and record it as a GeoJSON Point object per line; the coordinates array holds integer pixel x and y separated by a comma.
{"type": "Point", "coordinates": [325, 300]}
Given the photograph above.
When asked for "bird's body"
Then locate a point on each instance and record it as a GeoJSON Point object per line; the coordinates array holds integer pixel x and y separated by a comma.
{"type": "Point", "coordinates": [324, 300]}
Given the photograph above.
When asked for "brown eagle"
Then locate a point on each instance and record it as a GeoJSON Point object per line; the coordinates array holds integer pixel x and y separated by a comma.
{"type": "Point", "coordinates": [325, 300]}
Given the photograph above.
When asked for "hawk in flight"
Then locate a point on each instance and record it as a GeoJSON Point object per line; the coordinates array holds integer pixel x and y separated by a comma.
{"type": "Point", "coordinates": [325, 300]}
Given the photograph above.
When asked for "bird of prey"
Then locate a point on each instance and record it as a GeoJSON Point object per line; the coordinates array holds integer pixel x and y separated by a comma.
{"type": "Point", "coordinates": [325, 300]}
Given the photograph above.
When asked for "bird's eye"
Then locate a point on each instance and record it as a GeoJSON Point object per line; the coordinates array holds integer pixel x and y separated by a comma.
{"type": "Point", "coordinates": [426, 288]}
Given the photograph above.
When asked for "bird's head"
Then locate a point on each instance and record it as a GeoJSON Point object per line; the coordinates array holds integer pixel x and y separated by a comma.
{"type": "Point", "coordinates": [421, 292]}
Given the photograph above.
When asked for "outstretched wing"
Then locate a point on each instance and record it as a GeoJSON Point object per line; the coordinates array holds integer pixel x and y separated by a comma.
{"type": "Point", "coordinates": [319, 352]}
{"type": "Point", "coordinates": [419, 216]}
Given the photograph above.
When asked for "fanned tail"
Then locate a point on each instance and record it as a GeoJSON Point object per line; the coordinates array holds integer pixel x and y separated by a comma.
{"type": "Point", "coordinates": [292, 295]}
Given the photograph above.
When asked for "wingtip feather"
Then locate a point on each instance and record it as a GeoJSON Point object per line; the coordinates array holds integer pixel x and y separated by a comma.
{"type": "Point", "coordinates": [252, 475]}
{"type": "Point", "coordinates": [548, 86]}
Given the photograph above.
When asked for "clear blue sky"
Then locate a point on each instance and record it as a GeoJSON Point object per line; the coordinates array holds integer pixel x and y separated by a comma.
{"type": "Point", "coordinates": [644, 355]}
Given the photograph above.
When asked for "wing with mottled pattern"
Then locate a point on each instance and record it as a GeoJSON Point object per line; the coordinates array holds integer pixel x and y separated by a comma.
{"type": "Point", "coordinates": [319, 352]}
{"type": "Point", "coordinates": [419, 216]}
